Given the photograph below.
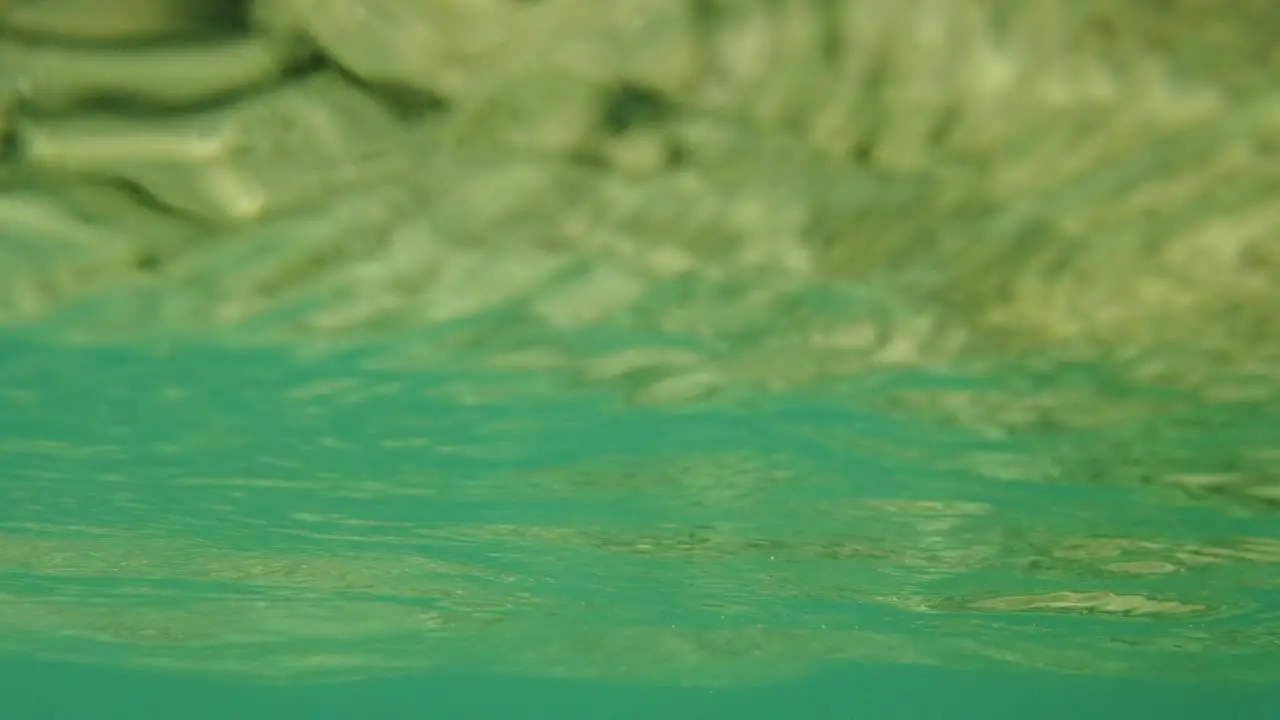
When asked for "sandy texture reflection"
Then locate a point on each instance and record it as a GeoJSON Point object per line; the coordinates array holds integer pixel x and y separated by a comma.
{"type": "Point", "coordinates": [701, 341]}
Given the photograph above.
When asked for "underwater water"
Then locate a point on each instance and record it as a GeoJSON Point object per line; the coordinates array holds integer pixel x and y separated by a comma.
{"type": "Point", "coordinates": [894, 693]}
{"type": "Point", "coordinates": [237, 532]}
{"type": "Point", "coordinates": [684, 358]}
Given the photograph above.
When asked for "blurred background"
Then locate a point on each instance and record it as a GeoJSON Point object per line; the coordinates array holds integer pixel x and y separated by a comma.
{"type": "Point", "coordinates": [680, 342]}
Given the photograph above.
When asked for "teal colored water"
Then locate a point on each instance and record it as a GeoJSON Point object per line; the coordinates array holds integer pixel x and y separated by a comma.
{"type": "Point", "coordinates": [42, 691]}
{"type": "Point", "coordinates": [200, 532]}
{"type": "Point", "coordinates": [720, 358]}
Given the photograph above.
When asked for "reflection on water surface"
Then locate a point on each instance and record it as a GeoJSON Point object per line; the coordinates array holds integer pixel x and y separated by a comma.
{"type": "Point", "coordinates": [695, 342]}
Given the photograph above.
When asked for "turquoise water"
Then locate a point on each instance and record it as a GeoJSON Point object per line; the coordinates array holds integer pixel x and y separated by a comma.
{"type": "Point", "coordinates": [211, 532]}
{"type": "Point", "coordinates": [42, 691]}
{"type": "Point", "coordinates": [819, 358]}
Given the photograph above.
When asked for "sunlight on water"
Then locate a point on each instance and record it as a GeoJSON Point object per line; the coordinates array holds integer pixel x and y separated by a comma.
{"type": "Point", "coordinates": [701, 342]}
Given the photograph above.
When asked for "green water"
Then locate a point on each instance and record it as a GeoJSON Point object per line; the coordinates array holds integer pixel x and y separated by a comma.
{"type": "Point", "coordinates": [890, 693]}
{"type": "Point", "coordinates": [252, 533]}
{"type": "Point", "coordinates": [720, 358]}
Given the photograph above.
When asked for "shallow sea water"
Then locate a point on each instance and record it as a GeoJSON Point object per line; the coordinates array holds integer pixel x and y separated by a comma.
{"type": "Point", "coordinates": [650, 358]}
{"type": "Point", "coordinates": [217, 533]}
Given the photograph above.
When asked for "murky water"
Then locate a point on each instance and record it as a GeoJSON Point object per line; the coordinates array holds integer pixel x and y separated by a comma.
{"type": "Point", "coordinates": [704, 344]}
